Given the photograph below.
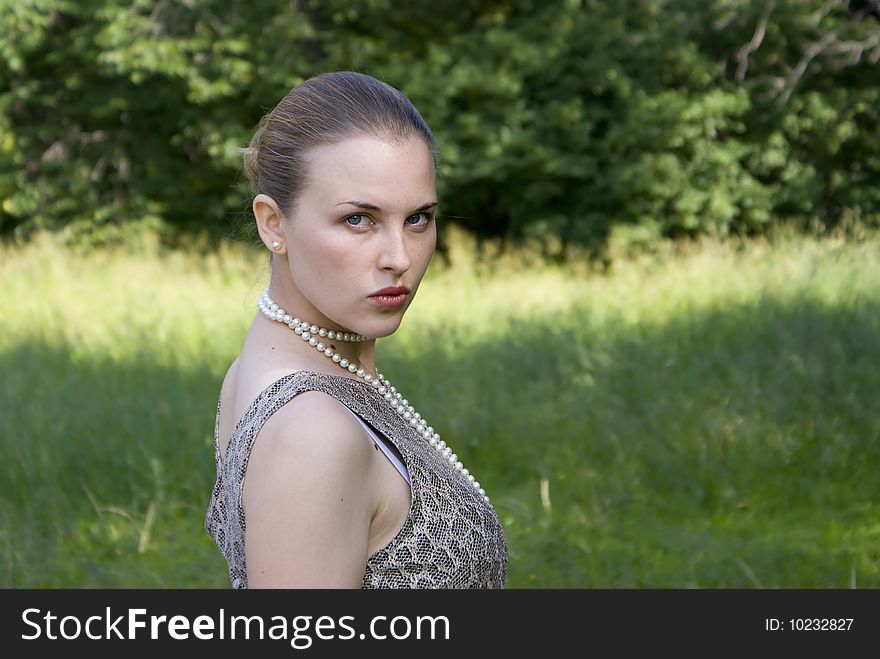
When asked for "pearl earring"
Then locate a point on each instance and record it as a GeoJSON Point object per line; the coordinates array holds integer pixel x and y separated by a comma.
{"type": "Point", "coordinates": [276, 244]}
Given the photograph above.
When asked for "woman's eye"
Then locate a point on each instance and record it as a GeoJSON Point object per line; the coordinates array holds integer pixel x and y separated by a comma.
{"type": "Point", "coordinates": [357, 217]}
{"type": "Point", "coordinates": [420, 218]}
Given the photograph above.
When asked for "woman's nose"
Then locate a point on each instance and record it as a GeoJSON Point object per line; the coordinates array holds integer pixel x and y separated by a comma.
{"type": "Point", "coordinates": [394, 253]}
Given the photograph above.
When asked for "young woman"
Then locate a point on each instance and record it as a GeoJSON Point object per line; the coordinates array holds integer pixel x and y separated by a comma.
{"type": "Point", "coordinates": [327, 477]}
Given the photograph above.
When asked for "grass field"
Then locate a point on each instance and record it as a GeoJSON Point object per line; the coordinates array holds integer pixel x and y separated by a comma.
{"type": "Point", "coordinates": [703, 417]}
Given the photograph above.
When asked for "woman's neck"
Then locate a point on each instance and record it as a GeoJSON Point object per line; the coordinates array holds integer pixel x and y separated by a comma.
{"type": "Point", "coordinates": [289, 342]}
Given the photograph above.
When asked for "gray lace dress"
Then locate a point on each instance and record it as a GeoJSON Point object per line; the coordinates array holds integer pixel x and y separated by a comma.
{"type": "Point", "coordinates": [451, 538]}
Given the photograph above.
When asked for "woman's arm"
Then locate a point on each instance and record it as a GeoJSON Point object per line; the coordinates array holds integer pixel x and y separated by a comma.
{"type": "Point", "coordinates": [307, 497]}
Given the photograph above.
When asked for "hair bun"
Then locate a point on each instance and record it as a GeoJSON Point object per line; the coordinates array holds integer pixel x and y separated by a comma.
{"type": "Point", "coordinates": [251, 157]}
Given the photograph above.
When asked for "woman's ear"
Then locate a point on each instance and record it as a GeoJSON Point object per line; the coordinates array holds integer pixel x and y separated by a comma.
{"type": "Point", "coordinates": [270, 223]}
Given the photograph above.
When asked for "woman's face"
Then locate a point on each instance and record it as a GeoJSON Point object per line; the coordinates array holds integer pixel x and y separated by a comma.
{"type": "Point", "coordinates": [364, 221]}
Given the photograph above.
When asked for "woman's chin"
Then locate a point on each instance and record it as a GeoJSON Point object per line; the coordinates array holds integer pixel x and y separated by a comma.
{"type": "Point", "coordinates": [381, 329]}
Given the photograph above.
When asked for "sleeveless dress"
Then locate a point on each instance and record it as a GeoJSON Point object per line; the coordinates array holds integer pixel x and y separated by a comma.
{"type": "Point", "coordinates": [451, 537]}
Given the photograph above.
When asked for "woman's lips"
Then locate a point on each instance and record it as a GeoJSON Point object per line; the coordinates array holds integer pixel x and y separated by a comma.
{"type": "Point", "coordinates": [390, 297]}
{"type": "Point", "coordinates": [388, 301]}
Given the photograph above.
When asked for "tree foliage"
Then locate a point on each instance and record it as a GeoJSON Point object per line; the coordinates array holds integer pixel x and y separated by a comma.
{"type": "Point", "coordinates": [557, 118]}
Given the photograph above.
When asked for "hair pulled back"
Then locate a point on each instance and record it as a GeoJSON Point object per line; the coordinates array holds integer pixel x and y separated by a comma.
{"type": "Point", "coordinates": [325, 109]}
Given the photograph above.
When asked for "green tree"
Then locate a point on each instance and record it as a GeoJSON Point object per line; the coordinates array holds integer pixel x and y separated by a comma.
{"type": "Point", "coordinates": [560, 118]}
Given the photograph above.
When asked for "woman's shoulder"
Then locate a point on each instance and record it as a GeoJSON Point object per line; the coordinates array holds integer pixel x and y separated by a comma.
{"type": "Point", "coordinates": [310, 488]}
{"type": "Point", "coordinates": [316, 424]}
{"type": "Point", "coordinates": [251, 378]}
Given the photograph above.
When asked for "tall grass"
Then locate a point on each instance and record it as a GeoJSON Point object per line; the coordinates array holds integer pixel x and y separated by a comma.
{"type": "Point", "coordinates": [705, 416]}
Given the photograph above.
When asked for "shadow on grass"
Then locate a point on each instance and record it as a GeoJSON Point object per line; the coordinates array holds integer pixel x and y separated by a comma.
{"type": "Point", "coordinates": [715, 450]}
{"type": "Point", "coordinates": [107, 473]}
{"type": "Point", "coordinates": [735, 447]}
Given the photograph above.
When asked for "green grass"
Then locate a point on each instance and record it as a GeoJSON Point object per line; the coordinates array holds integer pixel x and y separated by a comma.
{"type": "Point", "coordinates": [706, 416]}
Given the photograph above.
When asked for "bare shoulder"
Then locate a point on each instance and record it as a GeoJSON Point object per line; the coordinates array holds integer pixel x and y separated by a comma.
{"type": "Point", "coordinates": [226, 402]}
{"type": "Point", "coordinates": [309, 497]}
{"type": "Point", "coordinates": [228, 385]}
{"type": "Point", "coordinates": [315, 423]}
{"type": "Point", "coordinates": [312, 447]}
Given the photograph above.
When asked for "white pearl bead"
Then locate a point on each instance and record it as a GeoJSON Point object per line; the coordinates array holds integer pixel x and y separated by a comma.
{"type": "Point", "coordinates": [387, 396]}
{"type": "Point", "coordinates": [382, 389]}
{"type": "Point", "coordinates": [346, 337]}
{"type": "Point", "coordinates": [405, 403]}
{"type": "Point", "coordinates": [430, 430]}
{"type": "Point", "coordinates": [298, 330]}
{"type": "Point", "coordinates": [313, 341]}
{"type": "Point", "coordinates": [393, 390]}
{"type": "Point", "coordinates": [352, 368]}
{"type": "Point", "coordinates": [305, 336]}
{"type": "Point", "coordinates": [433, 441]}
{"type": "Point", "coordinates": [360, 373]}
{"type": "Point", "coordinates": [287, 318]}
{"type": "Point", "coordinates": [343, 363]}
{"type": "Point", "coordinates": [375, 384]}
{"type": "Point", "coordinates": [313, 328]}
{"type": "Point", "coordinates": [465, 471]}
{"type": "Point", "coordinates": [336, 357]}
{"type": "Point", "coordinates": [477, 484]}
{"type": "Point", "coordinates": [296, 321]}
{"type": "Point", "coordinates": [320, 347]}
{"type": "Point", "coordinates": [417, 415]}
{"type": "Point", "coordinates": [459, 465]}
{"type": "Point", "coordinates": [413, 422]}
{"type": "Point", "coordinates": [280, 311]}
{"type": "Point", "coordinates": [406, 415]}
{"type": "Point", "coordinates": [322, 332]}
{"type": "Point", "coordinates": [368, 378]}
{"type": "Point", "coordinates": [483, 492]}
{"type": "Point", "coordinates": [331, 335]}
{"type": "Point", "coordinates": [274, 306]}
{"type": "Point", "coordinates": [399, 409]}
{"type": "Point", "coordinates": [328, 352]}
{"type": "Point", "coordinates": [471, 478]}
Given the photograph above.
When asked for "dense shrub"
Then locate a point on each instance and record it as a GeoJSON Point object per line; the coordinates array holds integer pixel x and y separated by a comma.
{"type": "Point", "coordinates": [559, 118]}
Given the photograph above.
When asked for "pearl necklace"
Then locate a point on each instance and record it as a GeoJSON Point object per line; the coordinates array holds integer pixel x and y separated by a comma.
{"type": "Point", "coordinates": [313, 335]}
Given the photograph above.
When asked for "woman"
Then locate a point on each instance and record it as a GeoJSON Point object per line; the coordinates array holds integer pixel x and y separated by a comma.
{"type": "Point", "coordinates": [341, 482]}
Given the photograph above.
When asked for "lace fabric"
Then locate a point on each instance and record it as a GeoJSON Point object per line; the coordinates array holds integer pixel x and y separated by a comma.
{"type": "Point", "coordinates": [451, 538]}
